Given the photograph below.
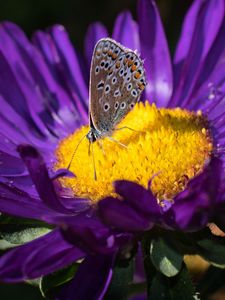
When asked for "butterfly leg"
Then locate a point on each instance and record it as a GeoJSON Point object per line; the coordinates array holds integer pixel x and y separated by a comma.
{"type": "Point", "coordinates": [91, 151]}
{"type": "Point", "coordinates": [100, 143]}
{"type": "Point", "coordinates": [113, 140]}
{"type": "Point", "coordinates": [126, 127]}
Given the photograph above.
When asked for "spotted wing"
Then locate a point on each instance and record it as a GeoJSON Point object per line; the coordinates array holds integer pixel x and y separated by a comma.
{"type": "Point", "coordinates": [117, 81]}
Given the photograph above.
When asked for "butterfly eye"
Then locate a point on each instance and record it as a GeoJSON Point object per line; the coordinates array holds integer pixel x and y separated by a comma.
{"type": "Point", "coordinates": [106, 106]}
{"type": "Point", "coordinates": [123, 105]}
{"type": "Point", "coordinates": [100, 85]}
{"type": "Point", "coordinates": [129, 87]}
{"type": "Point", "coordinates": [102, 64]}
{"type": "Point", "coordinates": [97, 70]}
{"type": "Point", "coordinates": [106, 65]}
{"type": "Point", "coordinates": [117, 51]}
{"type": "Point", "coordinates": [134, 93]}
{"type": "Point", "coordinates": [131, 105]}
{"type": "Point", "coordinates": [117, 93]}
{"type": "Point", "coordinates": [107, 88]}
{"type": "Point", "coordinates": [116, 105]}
{"type": "Point", "coordinates": [121, 72]}
{"type": "Point", "coordinates": [114, 80]}
{"type": "Point", "coordinates": [128, 79]}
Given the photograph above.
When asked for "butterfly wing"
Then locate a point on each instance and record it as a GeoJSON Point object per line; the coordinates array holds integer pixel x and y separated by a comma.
{"type": "Point", "coordinates": [117, 81]}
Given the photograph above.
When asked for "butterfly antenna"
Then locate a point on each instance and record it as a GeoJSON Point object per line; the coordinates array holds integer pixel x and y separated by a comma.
{"type": "Point", "coordinates": [93, 158]}
{"type": "Point", "coordinates": [75, 150]}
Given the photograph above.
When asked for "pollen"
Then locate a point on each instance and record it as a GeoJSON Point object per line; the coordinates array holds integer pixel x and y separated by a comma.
{"type": "Point", "coordinates": [169, 146]}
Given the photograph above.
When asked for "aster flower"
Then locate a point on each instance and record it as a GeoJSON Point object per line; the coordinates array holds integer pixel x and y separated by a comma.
{"type": "Point", "coordinates": [170, 179]}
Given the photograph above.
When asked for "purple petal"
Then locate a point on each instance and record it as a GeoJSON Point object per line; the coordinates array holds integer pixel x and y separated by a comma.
{"type": "Point", "coordinates": [18, 129]}
{"type": "Point", "coordinates": [120, 215]}
{"type": "Point", "coordinates": [40, 257]}
{"type": "Point", "coordinates": [53, 103]}
{"type": "Point", "coordinates": [11, 165]}
{"type": "Point", "coordinates": [40, 177]}
{"type": "Point", "coordinates": [155, 52]}
{"type": "Point", "coordinates": [91, 280]}
{"type": "Point", "coordinates": [95, 32]}
{"type": "Point", "coordinates": [14, 47]}
{"type": "Point", "coordinates": [72, 69]}
{"type": "Point", "coordinates": [211, 78]}
{"type": "Point", "coordinates": [86, 230]}
{"type": "Point", "coordinates": [139, 198]}
{"type": "Point", "coordinates": [62, 173]}
{"type": "Point", "coordinates": [126, 31]}
{"type": "Point", "coordinates": [74, 99]}
{"type": "Point", "coordinates": [193, 208]}
{"type": "Point", "coordinates": [201, 26]}
{"type": "Point", "coordinates": [17, 203]}
{"type": "Point", "coordinates": [15, 96]}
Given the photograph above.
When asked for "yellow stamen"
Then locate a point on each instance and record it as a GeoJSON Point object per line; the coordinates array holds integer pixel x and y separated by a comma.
{"type": "Point", "coordinates": [172, 144]}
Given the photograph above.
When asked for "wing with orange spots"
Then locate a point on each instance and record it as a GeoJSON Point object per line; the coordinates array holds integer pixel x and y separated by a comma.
{"type": "Point", "coordinates": [117, 81]}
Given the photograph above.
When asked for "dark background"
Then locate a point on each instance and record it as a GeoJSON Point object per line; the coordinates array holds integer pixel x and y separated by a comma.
{"type": "Point", "coordinates": [76, 16]}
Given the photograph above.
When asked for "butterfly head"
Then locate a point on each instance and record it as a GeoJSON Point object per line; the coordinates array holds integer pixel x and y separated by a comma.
{"type": "Point", "coordinates": [91, 136]}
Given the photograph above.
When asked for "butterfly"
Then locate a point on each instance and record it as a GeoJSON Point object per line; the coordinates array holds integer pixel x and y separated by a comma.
{"type": "Point", "coordinates": [117, 80]}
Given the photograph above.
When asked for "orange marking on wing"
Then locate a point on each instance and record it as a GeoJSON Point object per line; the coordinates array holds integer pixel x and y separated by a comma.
{"type": "Point", "coordinates": [133, 67]}
{"type": "Point", "coordinates": [118, 65]}
{"type": "Point", "coordinates": [130, 62]}
{"type": "Point", "coordinates": [114, 55]}
{"type": "Point", "coordinates": [141, 86]}
{"type": "Point", "coordinates": [137, 75]}
{"type": "Point", "coordinates": [125, 61]}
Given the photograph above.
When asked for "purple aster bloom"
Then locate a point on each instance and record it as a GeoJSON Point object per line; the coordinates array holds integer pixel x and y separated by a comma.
{"type": "Point", "coordinates": [44, 98]}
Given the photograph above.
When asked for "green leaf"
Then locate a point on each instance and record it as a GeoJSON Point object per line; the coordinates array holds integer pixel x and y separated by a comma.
{"type": "Point", "coordinates": [179, 287]}
{"type": "Point", "coordinates": [4, 245]}
{"type": "Point", "coordinates": [16, 231]}
{"type": "Point", "coordinates": [50, 282]}
{"type": "Point", "coordinates": [121, 281]}
{"type": "Point", "coordinates": [165, 257]}
{"type": "Point", "coordinates": [22, 236]}
{"type": "Point", "coordinates": [213, 250]}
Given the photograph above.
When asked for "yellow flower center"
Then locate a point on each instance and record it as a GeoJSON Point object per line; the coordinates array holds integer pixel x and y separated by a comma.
{"type": "Point", "coordinates": [170, 144]}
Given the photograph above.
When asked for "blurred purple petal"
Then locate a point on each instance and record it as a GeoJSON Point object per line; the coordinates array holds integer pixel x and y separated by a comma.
{"type": "Point", "coordinates": [91, 280]}
{"type": "Point", "coordinates": [155, 52]}
{"type": "Point", "coordinates": [95, 32]}
{"type": "Point", "coordinates": [18, 203]}
{"type": "Point", "coordinates": [40, 177]}
{"type": "Point", "coordinates": [126, 31]}
{"type": "Point", "coordinates": [72, 69]}
{"type": "Point", "coordinates": [74, 106]}
{"type": "Point", "coordinates": [200, 29]}
{"type": "Point", "coordinates": [139, 198]}
{"type": "Point", "coordinates": [62, 173]}
{"type": "Point", "coordinates": [42, 256]}
{"type": "Point", "coordinates": [86, 230]}
{"type": "Point", "coordinates": [194, 206]}
{"type": "Point", "coordinates": [119, 214]}
{"type": "Point", "coordinates": [211, 78]}
{"type": "Point", "coordinates": [11, 165]}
